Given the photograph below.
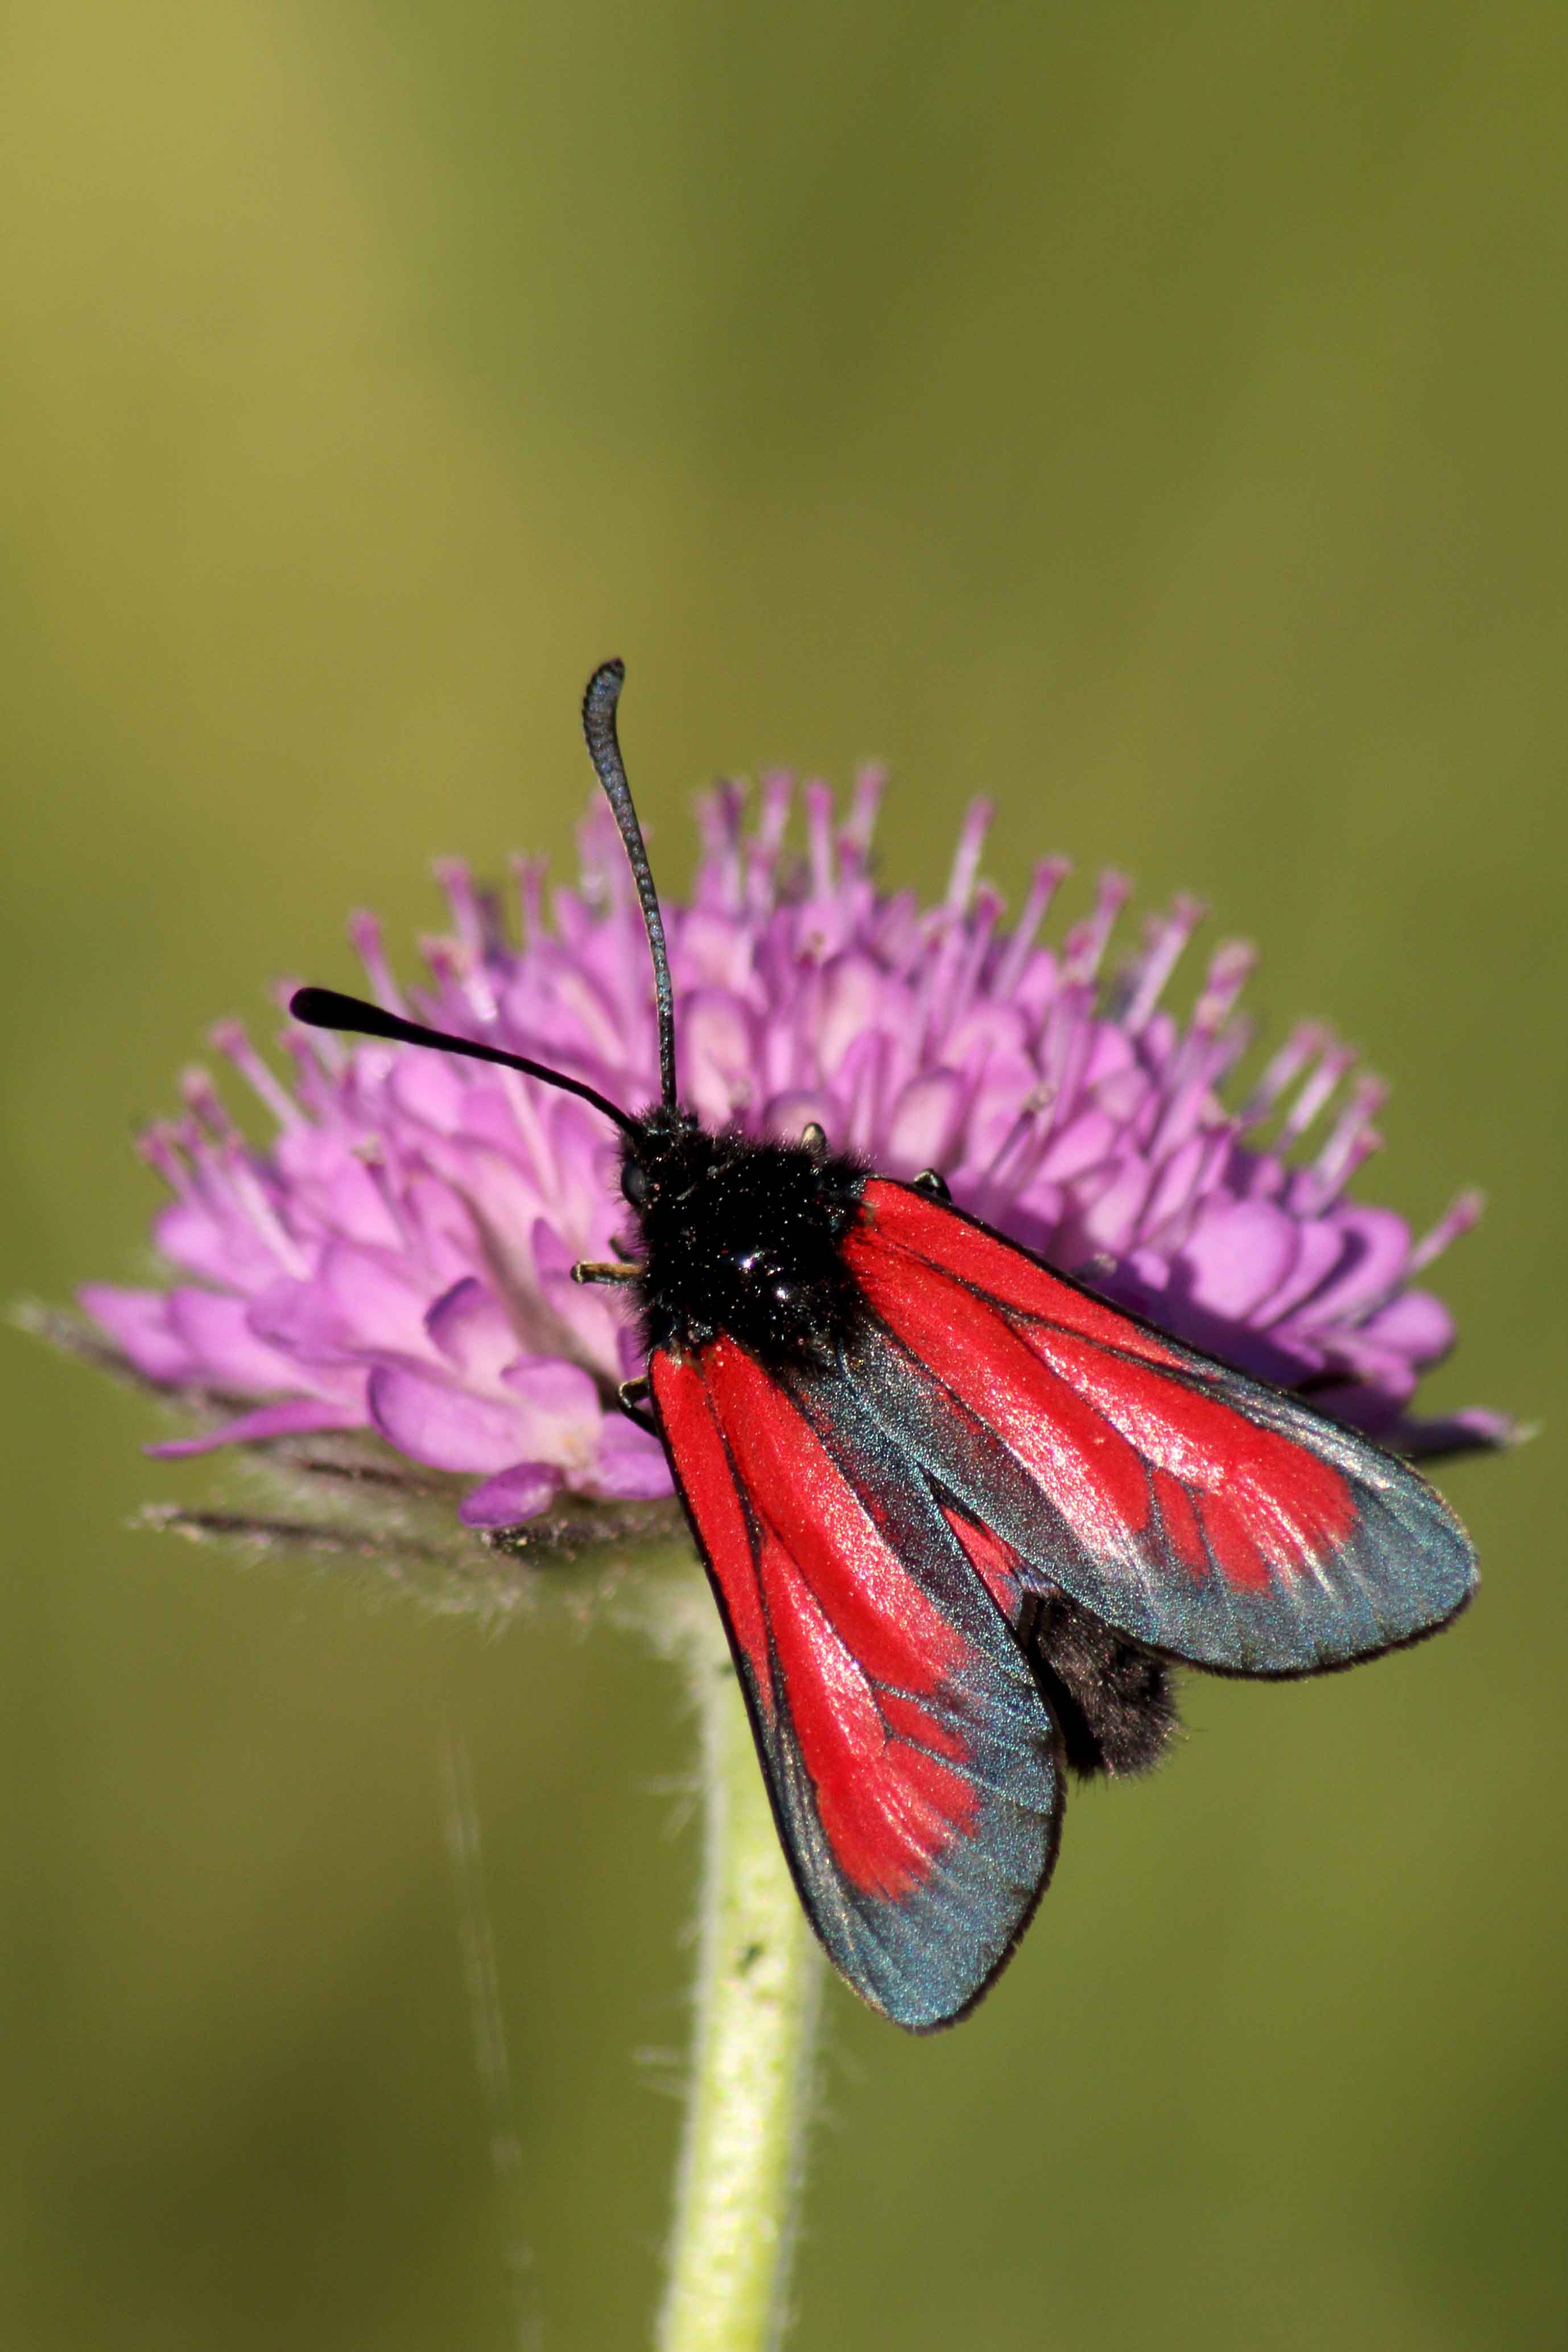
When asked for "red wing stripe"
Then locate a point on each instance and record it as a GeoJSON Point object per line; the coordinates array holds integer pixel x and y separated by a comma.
{"type": "Point", "coordinates": [1233, 1542]}
{"type": "Point", "coordinates": [1087, 1467]}
{"type": "Point", "coordinates": [897, 1634]}
{"type": "Point", "coordinates": [847, 1621]}
{"type": "Point", "coordinates": [1104, 1412]}
{"type": "Point", "coordinates": [996, 1563]}
{"type": "Point", "coordinates": [918, 1725]}
{"type": "Point", "coordinates": [887, 1808]}
{"type": "Point", "coordinates": [1180, 1521]}
{"type": "Point", "coordinates": [910, 1752]}
{"type": "Point", "coordinates": [707, 1481]}
{"type": "Point", "coordinates": [1195, 1509]}
{"type": "Point", "coordinates": [898, 1219]}
{"type": "Point", "coordinates": [1294, 1504]}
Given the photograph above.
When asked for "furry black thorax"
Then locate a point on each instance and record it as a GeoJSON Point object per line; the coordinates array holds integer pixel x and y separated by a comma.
{"type": "Point", "coordinates": [743, 1239]}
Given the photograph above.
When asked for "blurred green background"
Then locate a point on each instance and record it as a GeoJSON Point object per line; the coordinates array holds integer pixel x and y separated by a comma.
{"type": "Point", "coordinates": [1151, 415]}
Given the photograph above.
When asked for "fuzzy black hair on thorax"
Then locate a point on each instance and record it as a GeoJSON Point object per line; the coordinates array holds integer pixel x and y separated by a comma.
{"type": "Point", "coordinates": [742, 1239]}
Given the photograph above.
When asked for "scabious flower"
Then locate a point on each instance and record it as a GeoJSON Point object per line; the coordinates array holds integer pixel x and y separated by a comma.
{"type": "Point", "coordinates": [398, 1257]}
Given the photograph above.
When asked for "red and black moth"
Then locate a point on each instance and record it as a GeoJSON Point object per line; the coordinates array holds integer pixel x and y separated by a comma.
{"type": "Point", "coordinates": [960, 1516]}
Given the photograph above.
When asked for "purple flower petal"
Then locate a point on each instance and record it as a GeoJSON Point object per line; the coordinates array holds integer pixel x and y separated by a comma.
{"type": "Point", "coordinates": [377, 1300]}
{"type": "Point", "coordinates": [1472, 1431]}
{"type": "Point", "coordinates": [1415, 1325]}
{"type": "Point", "coordinates": [556, 1407]}
{"type": "Point", "coordinates": [1236, 1255]}
{"type": "Point", "coordinates": [1318, 1249]}
{"type": "Point", "coordinates": [473, 1331]}
{"type": "Point", "coordinates": [514, 1495]}
{"type": "Point", "coordinates": [786, 1116]}
{"type": "Point", "coordinates": [221, 1346]}
{"type": "Point", "coordinates": [355, 1305]}
{"type": "Point", "coordinates": [718, 1053]}
{"type": "Point", "coordinates": [448, 1427]}
{"type": "Point", "coordinates": [303, 1321]}
{"type": "Point", "coordinates": [1375, 1253]}
{"type": "Point", "coordinates": [1173, 1187]}
{"type": "Point", "coordinates": [574, 1320]}
{"type": "Point", "coordinates": [1108, 1222]}
{"type": "Point", "coordinates": [1086, 1142]}
{"type": "Point", "coordinates": [630, 1466]}
{"type": "Point", "coordinates": [924, 1125]}
{"type": "Point", "coordinates": [137, 1322]}
{"type": "Point", "coordinates": [336, 1188]}
{"type": "Point", "coordinates": [220, 1248]}
{"type": "Point", "coordinates": [427, 1092]}
{"type": "Point", "coordinates": [851, 996]}
{"type": "Point", "coordinates": [297, 1417]}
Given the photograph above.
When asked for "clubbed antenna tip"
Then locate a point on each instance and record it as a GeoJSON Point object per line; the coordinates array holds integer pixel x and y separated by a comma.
{"type": "Point", "coordinates": [324, 1008]}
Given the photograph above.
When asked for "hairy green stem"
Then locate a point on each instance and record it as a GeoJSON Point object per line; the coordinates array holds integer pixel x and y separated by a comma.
{"type": "Point", "coordinates": [759, 1978]}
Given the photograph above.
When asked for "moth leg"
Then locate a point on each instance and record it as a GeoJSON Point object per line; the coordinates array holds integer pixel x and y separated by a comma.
{"type": "Point", "coordinates": [929, 1180]}
{"type": "Point", "coordinates": [813, 1138]}
{"type": "Point", "coordinates": [600, 1270]}
{"type": "Point", "coordinates": [630, 1397]}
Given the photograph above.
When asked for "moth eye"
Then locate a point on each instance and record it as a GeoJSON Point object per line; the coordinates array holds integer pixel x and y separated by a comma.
{"type": "Point", "coordinates": [633, 1182]}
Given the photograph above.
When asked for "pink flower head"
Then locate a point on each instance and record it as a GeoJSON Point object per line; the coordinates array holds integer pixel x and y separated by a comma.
{"type": "Point", "coordinates": [398, 1257]}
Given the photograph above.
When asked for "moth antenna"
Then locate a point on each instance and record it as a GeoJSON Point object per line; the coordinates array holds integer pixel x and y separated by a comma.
{"type": "Point", "coordinates": [603, 691]}
{"type": "Point", "coordinates": [324, 1008]}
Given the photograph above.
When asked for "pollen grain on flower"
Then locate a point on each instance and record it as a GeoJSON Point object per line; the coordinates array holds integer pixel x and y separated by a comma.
{"type": "Point", "coordinates": [398, 1257]}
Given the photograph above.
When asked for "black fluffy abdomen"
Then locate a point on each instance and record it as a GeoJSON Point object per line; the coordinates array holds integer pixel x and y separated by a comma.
{"type": "Point", "coordinates": [1112, 1698]}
